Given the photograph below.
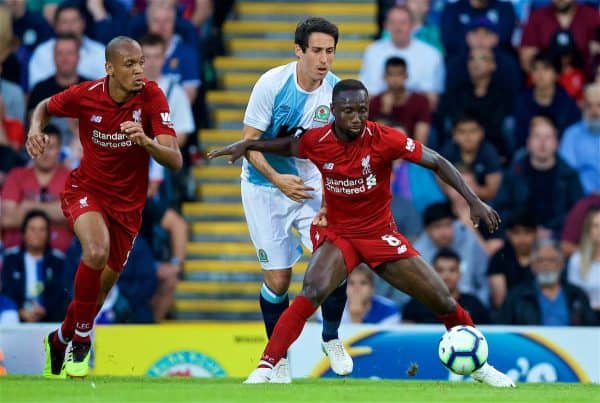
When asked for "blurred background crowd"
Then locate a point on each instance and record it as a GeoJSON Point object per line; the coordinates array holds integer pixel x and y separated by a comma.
{"type": "Point", "coordinates": [508, 91]}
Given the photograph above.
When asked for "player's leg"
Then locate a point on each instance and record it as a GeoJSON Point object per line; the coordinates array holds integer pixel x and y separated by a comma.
{"type": "Point", "coordinates": [326, 270]}
{"type": "Point", "coordinates": [333, 306]}
{"type": "Point", "coordinates": [417, 278]}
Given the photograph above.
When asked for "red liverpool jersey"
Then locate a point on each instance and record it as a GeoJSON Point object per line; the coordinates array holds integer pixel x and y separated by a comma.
{"type": "Point", "coordinates": [113, 168]}
{"type": "Point", "coordinates": [356, 175]}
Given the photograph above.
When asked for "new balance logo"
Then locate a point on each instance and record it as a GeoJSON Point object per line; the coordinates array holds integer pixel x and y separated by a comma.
{"type": "Point", "coordinates": [328, 166]}
{"type": "Point", "coordinates": [83, 202]}
{"type": "Point", "coordinates": [410, 145]}
{"type": "Point", "coordinates": [96, 118]}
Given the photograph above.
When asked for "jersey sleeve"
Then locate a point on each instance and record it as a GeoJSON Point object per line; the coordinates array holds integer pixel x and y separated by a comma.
{"type": "Point", "coordinates": [306, 144]}
{"type": "Point", "coordinates": [157, 111]}
{"type": "Point", "coordinates": [260, 105]}
{"type": "Point", "coordinates": [66, 103]}
{"type": "Point", "coordinates": [399, 145]}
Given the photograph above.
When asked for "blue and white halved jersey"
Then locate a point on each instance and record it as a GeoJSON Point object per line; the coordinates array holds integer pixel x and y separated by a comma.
{"type": "Point", "coordinates": [279, 107]}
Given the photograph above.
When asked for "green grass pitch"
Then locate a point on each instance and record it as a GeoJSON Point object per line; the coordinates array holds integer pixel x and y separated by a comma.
{"type": "Point", "coordinates": [15, 389]}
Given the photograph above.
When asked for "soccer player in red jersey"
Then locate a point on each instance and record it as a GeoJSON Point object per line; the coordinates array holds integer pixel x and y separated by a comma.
{"type": "Point", "coordinates": [123, 120]}
{"type": "Point", "coordinates": [355, 159]}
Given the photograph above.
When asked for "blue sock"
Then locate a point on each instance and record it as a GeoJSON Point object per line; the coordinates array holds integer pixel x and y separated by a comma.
{"type": "Point", "coordinates": [332, 310]}
{"type": "Point", "coordinates": [272, 306]}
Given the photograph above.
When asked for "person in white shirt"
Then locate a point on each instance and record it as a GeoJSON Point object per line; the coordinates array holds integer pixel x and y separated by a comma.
{"type": "Point", "coordinates": [584, 266]}
{"type": "Point", "coordinates": [67, 20]}
{"type": "Point", "coordinates": [426, 72]}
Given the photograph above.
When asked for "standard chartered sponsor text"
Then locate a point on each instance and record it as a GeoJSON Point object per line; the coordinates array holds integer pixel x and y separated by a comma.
{"type": "Point", "coordinates": [347, 186]}
{"type": "Point", "coordinates": [111, 140]}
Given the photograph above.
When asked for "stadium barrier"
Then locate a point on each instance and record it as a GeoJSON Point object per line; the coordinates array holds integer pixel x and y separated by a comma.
{"type": "Point", "coordinates": [527, 354]}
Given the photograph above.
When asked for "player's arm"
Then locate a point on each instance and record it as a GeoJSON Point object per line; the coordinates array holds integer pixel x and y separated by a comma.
{"type": "Point", "coordinates": [36, 140]}
{"type": "Point", "coordinates": [449, 174]}
{"type": "Point", "coordinates": [164, 148]}
{"type": "Point", "coordinates": [286, 146]}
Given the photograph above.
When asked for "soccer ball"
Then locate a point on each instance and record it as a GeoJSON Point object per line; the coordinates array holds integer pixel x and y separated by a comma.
{"type": "Point", "coordinates": [463, 349]}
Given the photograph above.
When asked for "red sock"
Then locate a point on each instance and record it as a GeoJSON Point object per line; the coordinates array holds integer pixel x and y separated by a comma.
{"type": "Point", "coordinates": [67, 328]}
{"type": "Point", "coordinates": [288, 328]}
{"type": "Point", "coordinates": [87, 289]}
{"type": "Point", "coordinates": [458, 317]}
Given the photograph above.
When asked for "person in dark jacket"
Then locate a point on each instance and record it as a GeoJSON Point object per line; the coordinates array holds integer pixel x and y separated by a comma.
{"type": "Point", "coordinates": [540, 182]}
{"type": "Point", "coordinates": [546, 300]}
{"type": "Point", "coordinates": [33, 273]}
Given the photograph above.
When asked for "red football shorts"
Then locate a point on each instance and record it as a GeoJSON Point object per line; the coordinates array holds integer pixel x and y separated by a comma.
{"type": "Point", "coordinates": [122, 227]}
{"type": "Point", "coordinates": [389, 246]}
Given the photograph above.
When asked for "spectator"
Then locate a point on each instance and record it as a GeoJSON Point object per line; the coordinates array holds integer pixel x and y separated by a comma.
{"type": "Point", "coordinates": [104, 19]}
{"type": "Point", "coordinates": [14, 100]}
{"type": "Point", "coordinates": [573, 225]}
{"type": "Point", "coordinates": [33, 273]}
{"type": "Point", "coordinates": [363, 306]}
{"type": "Point", "coordinates": [399, 107]}
{"type": "Point", "coordinates": [9, 157]}
{"type": "Point", "coordinates": [546, 301]}
{"type": "Point", "coordinates": [580, 19]}
{"type": "Point", "coordinates": [457, 16]}
{"type": "Point", "coordinates": [485, 96]}
{"type": "Point", "coordinates": [30, 27]}
{"type": "Point", "coordinates": [12, 132]}
{"type": "Point", "coordinates": [424, 29]}
{"type": "Point", "coordinates": [154, 49]}
{"type": "Point", "coordinates": [580, 145]}
{"type": "Point", "coordinates": [66, 59]}
{"type": "Point", "coordinates": [510, 266]}
{"type": "Point", "coordinates": [166, 232]}
{"type": "Point", "coordinates": [546, 98]}
{"type": "Point", "coordinates": [482, 34]}
{"type": "Point", "coordinates": [447, 264]}
{"type": "Point", "coordinates": [181, 58]}
{"type": "Point", "coordinates": [566, 56]}
{"type": "Point", "coordinates": [472, 151]}
{"type": "Point", "coordinates": [37, 187]}
{"type": "Point", "coordinates": [584, 266]}
{"type": "Point", "coordinates": [9, 315]}
{"type": "Point", "coordinates": [9, 61]}
{"type": "Point", "coordinates": [443, 230]}
{"type": "Point", "coordinates": [540, 181]}
{"type": "Point", "coordinates": [130, 300]}
{"type": "Point", "coordinates": [47, 8]}
{"type": "Point", "coordinates": [68, 20]}
{"type": "Point", "coordinates": [425, 65]}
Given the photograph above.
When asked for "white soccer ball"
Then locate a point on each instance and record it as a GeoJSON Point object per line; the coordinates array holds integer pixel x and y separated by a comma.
{"type": "Point", "coordinates": [463, 349]}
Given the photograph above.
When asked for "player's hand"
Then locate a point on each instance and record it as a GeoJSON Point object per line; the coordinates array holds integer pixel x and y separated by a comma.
{"type": "Point", "coordinates": [135, 133]}
{"type": "Point", "coordinates": [236, 150]}
{"type": "Point", "coordinates": [481, 211]}
{"type": "Point", "coordinates": [293, 187]}
{"type": "Point", "coordinates": [36, 143]}
{"type": "Point", "coordinates": [320, 220]}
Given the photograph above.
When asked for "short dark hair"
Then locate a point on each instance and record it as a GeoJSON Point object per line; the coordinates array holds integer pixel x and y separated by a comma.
{"type": "Point", "coordinates": [521, 218]}
{"type": "Point", "coordinates": [311, 25]}
{"type": "Point", "coordinates": [347, 85]}
{"type": "Point", "coordinates": [67, 5]}
{"type": "Point", "coordinates": [546, 59]}
{"type": "Point", "coordinates": [35, 214]}
{"type": "Point", "coordinates": [53, 131]}
{"type": "Point", "coordinates": [68, 37]}
{"type": "Point", "coordinates": [466, 117]}
{"type": "Point", "coordinates": [400, 7]}
{"type": "Point", "coordinates": [395, 62]}
{"type": "Point", "coordinates": [446, 253]}
{"type": "Point", "coordinates": [436, 212]}
{"type": "Point", "coordinates": [152, 40]}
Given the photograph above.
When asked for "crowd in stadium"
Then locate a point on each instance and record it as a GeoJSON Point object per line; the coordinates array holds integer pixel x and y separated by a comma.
{"type": "Point", "coordinates": [509, 92]}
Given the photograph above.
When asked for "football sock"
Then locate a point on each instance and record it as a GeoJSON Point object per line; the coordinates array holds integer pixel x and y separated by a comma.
{"type": "Point", "coordinates": [86, 290]}
{"type": "Point", "coordinates": [287, 330]}
{"type": "Point", "coordinates": [457, 317]}
{"type": "Point", "coordinates": [333, 309]}
{"type": "Point", "coordinates": [272, 306]}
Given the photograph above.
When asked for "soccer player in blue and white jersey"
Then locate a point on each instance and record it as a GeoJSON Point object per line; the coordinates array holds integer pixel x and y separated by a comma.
{"type": "Point", "coordinates": [282, 193]}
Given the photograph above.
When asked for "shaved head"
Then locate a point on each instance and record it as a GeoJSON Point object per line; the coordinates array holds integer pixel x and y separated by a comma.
{"type": "Point", "coordinates": [117, 44]}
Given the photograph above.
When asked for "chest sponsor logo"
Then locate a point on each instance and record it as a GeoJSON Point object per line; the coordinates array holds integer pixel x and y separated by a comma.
{"type": "Point", "coordinates": [111, 140]}
{"type": "Point", "coordinates": [96, 119]}
{"type": "Point", "coordinates": [137, 115]}
{"type": "Point", "coordinates": [322, 114]}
